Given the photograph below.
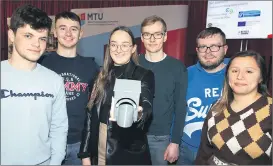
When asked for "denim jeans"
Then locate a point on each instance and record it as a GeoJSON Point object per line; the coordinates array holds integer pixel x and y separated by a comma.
{"type": "Point", "coordinates": [186, 155]}
{"type": "Point", "coordinates": [158, 145]}
{"type": "Point", "coordinates": [71, 157]}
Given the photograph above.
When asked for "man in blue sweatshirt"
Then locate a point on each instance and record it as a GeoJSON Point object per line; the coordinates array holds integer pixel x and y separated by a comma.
{"type": "Point", "coordinates": [34, 121]}
{"type": "Point", "coordinates": [205, 82]}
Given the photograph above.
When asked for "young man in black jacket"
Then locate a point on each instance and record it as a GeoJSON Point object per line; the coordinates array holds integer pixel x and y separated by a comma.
{"type": "Point", "coordinates": [78, 73]}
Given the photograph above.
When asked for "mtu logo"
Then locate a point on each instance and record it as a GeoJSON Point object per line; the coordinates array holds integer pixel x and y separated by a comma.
{"type": "Point", "coordinates": [9, 93]}
{"type": "Point", "coordinates": [82, 17]}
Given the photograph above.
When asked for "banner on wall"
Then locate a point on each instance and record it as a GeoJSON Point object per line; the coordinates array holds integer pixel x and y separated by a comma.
{"type": "Point", "coordinates": [97, 23]}
{"type": "Point", "coordinates": [241, 19]}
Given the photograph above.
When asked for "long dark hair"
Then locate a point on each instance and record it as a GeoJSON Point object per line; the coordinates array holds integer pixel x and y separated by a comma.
{"type": "Point", "coordinates": [227, 94]}
{"type": "Point", "coordinates": [99, 90]}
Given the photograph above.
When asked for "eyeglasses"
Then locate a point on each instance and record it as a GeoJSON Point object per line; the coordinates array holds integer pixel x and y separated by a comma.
{"type": "Point", "coordinates": [124, 47]}
{"type": "Point", "coordinates": [213, 48]}
{"type": "Point", "coordinates": [158, 35]}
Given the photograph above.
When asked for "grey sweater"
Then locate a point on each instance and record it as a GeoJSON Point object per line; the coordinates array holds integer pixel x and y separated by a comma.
{"type": "Point", "coordinates": [34, 120]}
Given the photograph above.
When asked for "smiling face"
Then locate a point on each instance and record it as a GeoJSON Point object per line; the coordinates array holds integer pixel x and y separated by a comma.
{"type": "Point", "coordinates": [121, 48]}
{"type": "Point", "coordinates": [208, 59]}
{"type": "Point", "coordinates": [28, 43]}
{"type": "Point", "coordinates": [68, 32]}
{"type": "Point", "coordinates": [244, 75]}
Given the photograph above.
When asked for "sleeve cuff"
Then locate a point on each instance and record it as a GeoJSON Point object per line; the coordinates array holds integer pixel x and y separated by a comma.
{"type": "Point", "coordinates": [176, 140]}
{"type": "Point", "coordinates": [83, 155]}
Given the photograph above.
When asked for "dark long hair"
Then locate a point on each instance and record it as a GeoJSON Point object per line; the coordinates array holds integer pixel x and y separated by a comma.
{"type": "Point", "coordinates": [227, 94]}
{"type": "Point", "coordinates": [99, 90]}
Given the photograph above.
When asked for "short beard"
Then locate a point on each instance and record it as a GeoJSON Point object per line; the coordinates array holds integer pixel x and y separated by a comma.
{"type": "Point", "coordinates": [212, 66]}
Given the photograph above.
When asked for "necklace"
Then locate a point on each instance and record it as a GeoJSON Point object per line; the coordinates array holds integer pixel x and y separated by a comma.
{"type": "Point", "coordinates": [118, 71]}
{"type": "Point", "coordinates": [119, 75]}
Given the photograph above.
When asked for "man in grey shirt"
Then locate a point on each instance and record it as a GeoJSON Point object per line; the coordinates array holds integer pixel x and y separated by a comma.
{"type": "Point", "coordinates": [34, 120]}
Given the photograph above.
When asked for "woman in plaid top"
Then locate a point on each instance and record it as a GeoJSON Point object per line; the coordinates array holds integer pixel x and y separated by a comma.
{"type": "Point", "coordinates": [238, 128]}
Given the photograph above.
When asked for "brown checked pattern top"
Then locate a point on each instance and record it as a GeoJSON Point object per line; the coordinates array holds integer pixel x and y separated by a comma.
{"type": "Point", "coordinates": [241, 138]}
